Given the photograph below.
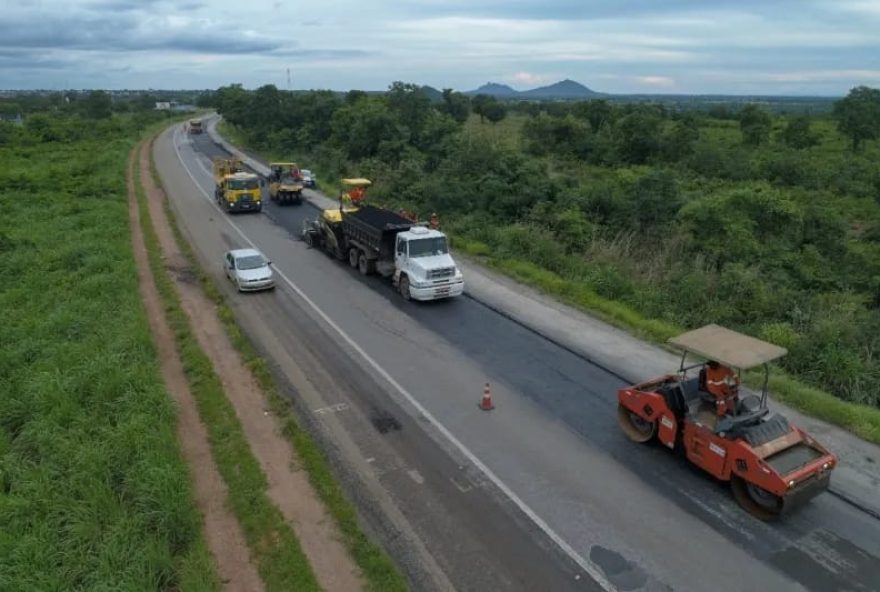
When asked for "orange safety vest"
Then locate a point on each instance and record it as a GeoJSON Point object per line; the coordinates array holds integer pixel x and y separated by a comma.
{"type": "Point", "coordinates": [718, 379]}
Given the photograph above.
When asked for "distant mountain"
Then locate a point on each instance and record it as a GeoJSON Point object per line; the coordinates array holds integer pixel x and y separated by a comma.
{"type": "Point", "coordinates": [566, 89]}
{"type": "Point", "coordinates": [493, 89]}
{"type": "Point", "coordinates": [432, 93]}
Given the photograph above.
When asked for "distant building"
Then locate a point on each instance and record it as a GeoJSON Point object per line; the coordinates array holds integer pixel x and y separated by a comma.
{"type": "Point", "coordinates": [13, 118]}
{"type": "Point", "coordinates": [165, 105]}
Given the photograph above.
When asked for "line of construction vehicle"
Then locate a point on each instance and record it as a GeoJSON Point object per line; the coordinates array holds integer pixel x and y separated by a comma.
{"type": "Point", "coordinates": [772, 465]}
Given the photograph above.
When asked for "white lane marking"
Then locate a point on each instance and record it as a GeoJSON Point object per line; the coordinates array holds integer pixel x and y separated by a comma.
{"type": "Point", "coordinates": [416, 476]}
{"type": "Point", "coordinates": [202, 165]}
{"type": "Point", "coordinates": [331, 409]}
{"type": "Point", "coordinates": [588, 566]}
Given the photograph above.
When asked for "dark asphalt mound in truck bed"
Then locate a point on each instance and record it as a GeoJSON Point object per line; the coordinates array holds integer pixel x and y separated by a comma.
{"type": "Point", "coordinates": [379, 218]}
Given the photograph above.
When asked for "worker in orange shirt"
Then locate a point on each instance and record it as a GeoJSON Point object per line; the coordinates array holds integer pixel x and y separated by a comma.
{"type": "Point", "coordinates": [356, 194]}
{"type": "Point", "coordinates": [722, 383]}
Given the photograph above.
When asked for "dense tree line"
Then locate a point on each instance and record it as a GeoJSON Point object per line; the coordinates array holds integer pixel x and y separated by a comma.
{"type": "Point", "coordinates": [766, 223]}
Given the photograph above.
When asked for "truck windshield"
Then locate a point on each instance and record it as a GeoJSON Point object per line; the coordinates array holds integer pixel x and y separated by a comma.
{"type": "Point", "coordinates": [237, 184]}
{"type": "Point", "coordinates": [426, 247]}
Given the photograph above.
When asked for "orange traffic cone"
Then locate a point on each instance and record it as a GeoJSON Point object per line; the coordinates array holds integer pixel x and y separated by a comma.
{"type": "Point", "coordinates": [486, 401]}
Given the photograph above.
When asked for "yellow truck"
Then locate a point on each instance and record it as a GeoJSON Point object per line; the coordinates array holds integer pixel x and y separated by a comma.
{"type": "Point", "coordinates": [285, 183]}
{"type": "Point", "coordinates": [234, 189]}
{"type": "Point", "coordinates": [195, 126]}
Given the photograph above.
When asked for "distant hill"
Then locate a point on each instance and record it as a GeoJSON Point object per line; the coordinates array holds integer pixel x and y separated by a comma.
{"type": "Point", "coordinates": [565, 89]}
{"type": "Point", "coordinates": [493, 89]}
{"type": "Point", "coordinates": [432, 93]}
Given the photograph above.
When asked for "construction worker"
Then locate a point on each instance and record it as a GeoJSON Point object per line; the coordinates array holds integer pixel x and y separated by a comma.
{"type": "Point", "coordinates": [723, 384]}
{"type": "Point", "coordinates": [356, 194]}
{"type": "Point", "coordinates": [435, 221]}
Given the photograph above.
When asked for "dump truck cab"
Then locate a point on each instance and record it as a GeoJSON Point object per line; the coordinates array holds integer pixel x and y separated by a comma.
{"type": "Point", "coordinates": [422, 261]}
{"type": "Point", "coordinates": [234, 189]}
{"type": "Point", "coordinates": [772, 465]}
{"type": "Point", "coordinates": [285, 183]}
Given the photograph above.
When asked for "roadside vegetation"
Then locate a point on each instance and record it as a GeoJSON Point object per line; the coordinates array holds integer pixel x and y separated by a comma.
{"type": "Point", "coordinates": [94, 493]}
{"type": "Point", "coordinates": [765, 222]}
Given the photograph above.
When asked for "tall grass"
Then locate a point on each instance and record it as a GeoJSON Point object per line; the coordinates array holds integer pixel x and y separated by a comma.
{"type": "Point", "coordinates": [94, 494]}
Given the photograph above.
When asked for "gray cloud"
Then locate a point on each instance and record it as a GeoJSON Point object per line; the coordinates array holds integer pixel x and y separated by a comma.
{"type": "Point", "coordinates": [804, 46]}
{"type": "Point", "coordinates": [594, 9]}
{"type": "Point", "coordinates": [122, 33]}
{"type": "Point", "coordinates": [324, 53]}
{"type": "Point", "coordinates": [121, 5]}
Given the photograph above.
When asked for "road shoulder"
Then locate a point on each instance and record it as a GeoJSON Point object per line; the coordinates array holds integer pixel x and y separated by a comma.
{"type": "Point", "coordinates": [222, 531]}
{"type": "Point", "coordinates": [288, 488]}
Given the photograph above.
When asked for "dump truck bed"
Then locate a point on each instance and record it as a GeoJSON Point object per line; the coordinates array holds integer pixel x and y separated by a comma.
{"type": "Point", "coordinates": [374, 227]}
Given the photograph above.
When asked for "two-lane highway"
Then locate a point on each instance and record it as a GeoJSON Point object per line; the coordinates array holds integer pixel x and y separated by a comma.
{"type": "Point", "coordinates": [542, 493]}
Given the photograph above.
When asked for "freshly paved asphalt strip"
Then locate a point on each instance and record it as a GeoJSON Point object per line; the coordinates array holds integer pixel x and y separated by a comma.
{"type": "Point", "coordinates": [550, 456]}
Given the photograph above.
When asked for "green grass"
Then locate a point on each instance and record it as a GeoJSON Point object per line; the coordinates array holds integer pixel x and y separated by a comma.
{"type": "Point", "coordinates": [94, 492]}
{"type": "Point", "coordinates": [272, 543]}
{"type": "Point", "coordinates": [861, 420]}
{"type": "Point", "coordinates": [378, 570]}
{"type": "Point", "coordinates": [507, 133]}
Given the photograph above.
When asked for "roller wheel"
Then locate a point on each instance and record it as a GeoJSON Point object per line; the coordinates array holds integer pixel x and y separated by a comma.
{"type": "Point", "coordinates": [755, 500]}
{"type": "Point", "coordinates": [353, 258]}
{"type": "Point", "coordinates": [636, 429]}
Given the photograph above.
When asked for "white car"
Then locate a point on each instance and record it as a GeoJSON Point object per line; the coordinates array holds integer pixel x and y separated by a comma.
{"type": "Point", "coordinates": [308, 178]}
{"type": "Point", "coordinates": [249, 270]}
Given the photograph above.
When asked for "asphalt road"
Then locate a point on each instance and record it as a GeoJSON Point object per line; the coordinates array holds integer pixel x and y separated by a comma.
{"type": "Point", "coordinates": [542, 493]}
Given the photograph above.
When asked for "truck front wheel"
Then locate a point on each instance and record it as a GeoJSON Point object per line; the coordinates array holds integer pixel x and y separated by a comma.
{"type": "Point", "coordinates": [404, 288]}
{"type": "Point", "coordinates": [365, 266]}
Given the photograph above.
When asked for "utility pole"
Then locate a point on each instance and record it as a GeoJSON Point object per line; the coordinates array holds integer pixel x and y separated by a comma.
{"type": "Point", "coordinates": [288, 80]}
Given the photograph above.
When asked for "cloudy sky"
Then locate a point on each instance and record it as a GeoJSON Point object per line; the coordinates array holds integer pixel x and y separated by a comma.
{"type": "Point", "coordinates": [819, 47]}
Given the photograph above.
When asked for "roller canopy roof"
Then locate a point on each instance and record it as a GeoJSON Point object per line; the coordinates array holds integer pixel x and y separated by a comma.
{"type": "Point", "coordinates": [714, 342]}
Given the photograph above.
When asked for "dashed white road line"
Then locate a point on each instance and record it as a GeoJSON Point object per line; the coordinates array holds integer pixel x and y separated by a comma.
{"type": "Point", "coordinates": [331, 409]}
{"type": "Point", "coordinates": [588, 566]}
